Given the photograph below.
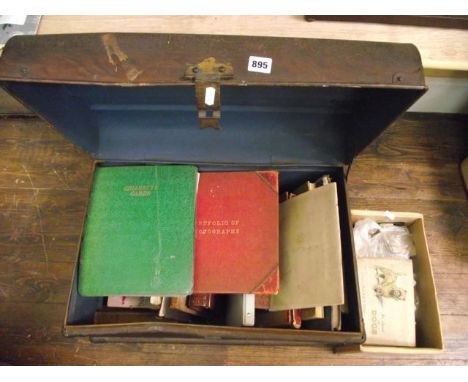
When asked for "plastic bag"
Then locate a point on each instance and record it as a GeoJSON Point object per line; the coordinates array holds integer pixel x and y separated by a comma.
{"type": "Point", "coordinates": [382, 240]}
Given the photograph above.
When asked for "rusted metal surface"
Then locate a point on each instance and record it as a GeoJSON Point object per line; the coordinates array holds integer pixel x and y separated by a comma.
{"type": "Point", "coordinates": [207, 76]}
{"type": "Point", "coordinates": [145, 59]}
{"type": "Point", "coordinates": [209, 70]}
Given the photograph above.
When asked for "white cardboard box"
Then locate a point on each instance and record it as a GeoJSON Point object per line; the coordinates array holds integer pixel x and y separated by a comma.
{"type": "Point", "coordinates": [428, 330]}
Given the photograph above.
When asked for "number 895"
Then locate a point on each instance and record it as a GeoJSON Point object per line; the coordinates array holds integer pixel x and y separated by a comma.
{"type": "Point", "coordinates": [260, 64]}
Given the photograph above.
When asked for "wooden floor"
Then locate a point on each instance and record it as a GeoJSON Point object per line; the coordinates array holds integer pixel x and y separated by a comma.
{"type": "Point", "coordinates": [413, 166]}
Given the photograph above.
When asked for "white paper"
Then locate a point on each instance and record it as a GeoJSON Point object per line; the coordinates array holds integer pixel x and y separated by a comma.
{"type": "Point", "coordinates": [387, 301]}
{"type": "Point", "coordinates": [260, 64]}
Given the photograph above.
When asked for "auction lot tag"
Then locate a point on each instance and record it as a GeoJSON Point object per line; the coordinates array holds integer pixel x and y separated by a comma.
{"type": "Point", "coordinates": [260, 64]}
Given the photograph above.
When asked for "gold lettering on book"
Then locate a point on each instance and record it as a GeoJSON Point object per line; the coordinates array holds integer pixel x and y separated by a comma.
{"type": "Point", "coordinates": [141, 190]}
{"type": "Point", "coordinates": [218, 227]}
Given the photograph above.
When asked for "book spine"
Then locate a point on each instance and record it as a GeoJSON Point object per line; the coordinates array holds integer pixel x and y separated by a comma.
{"type": "Point", "coordinates": [202, 300]}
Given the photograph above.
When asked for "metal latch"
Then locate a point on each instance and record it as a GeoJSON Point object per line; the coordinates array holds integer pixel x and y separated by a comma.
{"type": "Point", "coordinates": [207, 76]}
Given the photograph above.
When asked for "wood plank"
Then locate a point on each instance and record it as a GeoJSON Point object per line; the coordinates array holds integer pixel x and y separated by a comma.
{"type": "Point", "coordinates": [456, 22]}
{"type": "Point", "coordinates": [103, 354]}
{"type": "Point", "coordinates": [434, 140]}
{"type": "Point", "coordinates": [47, 282]}
{"type": "Point", "coordinates": [57, 175]}
{"type": "Point", "coordinates": [418, 182]}
{"type": "Point", "coordinates": [51, 212]}
{"type": "Point", "coordinates": [43, 333]}
{"type": "Point", "coordinates": [449, 264]}
{"type": "Point", "coordinates": [451, 299]}
{"type": "Point", "coordinates": [440, 48]}
{"type": "Point", "coordinates": [14, 128]}
{"type": "Point", "coordinates": [59, 247]}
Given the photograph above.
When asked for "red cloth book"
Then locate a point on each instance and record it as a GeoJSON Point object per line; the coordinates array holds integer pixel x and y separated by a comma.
{"type": "Point", "coordinates": [236, 235]}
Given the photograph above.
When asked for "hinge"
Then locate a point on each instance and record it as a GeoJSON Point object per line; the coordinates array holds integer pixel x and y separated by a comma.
{"type": "Point", "coordinates": [207, 76]}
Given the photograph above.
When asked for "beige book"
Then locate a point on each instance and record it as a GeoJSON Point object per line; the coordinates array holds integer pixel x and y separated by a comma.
{"type": "Point", "coordinates": [156, 300]}
{"type": "Point", "coordinates": [336, 317]}
{"type": "Point", "coordinates": [310, 251]}
{"type": "Point", "coordinates": [316, 313]}
{"type": "Point", "coordinates": [387, 299]}
{"type": "Point", "coordinates": [307, 186]}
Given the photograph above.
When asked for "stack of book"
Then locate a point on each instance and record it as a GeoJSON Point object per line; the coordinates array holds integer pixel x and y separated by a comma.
{"type": "Point", "coordinates": [311, 291]}
{"type": "Point", "coordinates": [168, 243]}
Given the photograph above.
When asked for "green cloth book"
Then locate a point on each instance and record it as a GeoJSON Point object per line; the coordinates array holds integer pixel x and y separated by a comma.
{"type": "Point", "coordinates": [139, 232]}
